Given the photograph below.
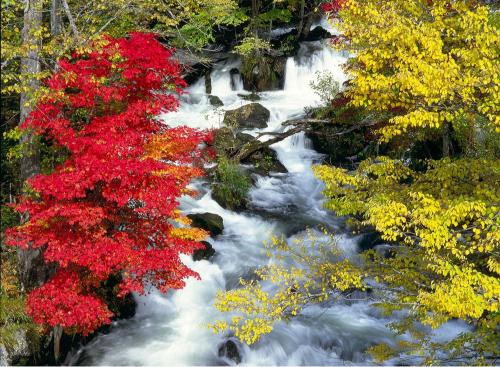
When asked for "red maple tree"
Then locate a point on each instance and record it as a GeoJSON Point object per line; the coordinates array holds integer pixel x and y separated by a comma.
{"type": "Point", "coordinates": [111, 208]}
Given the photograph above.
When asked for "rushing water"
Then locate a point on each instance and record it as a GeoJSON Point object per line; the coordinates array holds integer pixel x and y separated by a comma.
{"type": "Point", "coordinates": [172, 329]}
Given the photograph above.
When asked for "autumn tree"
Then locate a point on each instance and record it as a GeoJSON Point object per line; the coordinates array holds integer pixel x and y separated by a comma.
{"type": "Point", "coordinates": [110, 207]}
{"type": "Point", "coordinates": [433, 63]}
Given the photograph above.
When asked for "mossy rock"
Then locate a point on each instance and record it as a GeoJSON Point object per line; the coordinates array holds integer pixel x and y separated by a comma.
{"type": "Point", "coordinates": [215, 101]}
{"type": "Point", "coordinates": [211, 222]}
{"type": "Point", "coordinates": [263, 73]}
{"type": "Point", "coordinates": [249, 97]}
{"type": "Point", "coordinates": [265, 161]}
{"type": "Point", "coordinates": [250, 116]}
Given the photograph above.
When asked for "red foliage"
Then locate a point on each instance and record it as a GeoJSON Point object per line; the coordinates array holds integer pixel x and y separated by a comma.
{"type": "Point", "coordinates": [108, 209]}
{"type": "Point", "coordinates": [333, 7]}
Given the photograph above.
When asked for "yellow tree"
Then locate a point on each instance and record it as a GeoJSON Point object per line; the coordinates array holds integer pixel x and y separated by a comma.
{"type": "Point", "coordinates": [430, 62]}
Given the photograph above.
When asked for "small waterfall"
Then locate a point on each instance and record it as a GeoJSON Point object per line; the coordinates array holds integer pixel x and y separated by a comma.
{"type": "Point", "coordinates": [171, 329]}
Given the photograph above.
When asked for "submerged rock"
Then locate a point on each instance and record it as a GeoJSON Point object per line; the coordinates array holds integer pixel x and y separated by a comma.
{"type": "Point", "coordinates": [204, 253]}
{"type": "Point", "coordinates": [215, 101]}
{"type": "Point", "coordinates": [211, 222]}
{"type": "Point", "coordinates": [249, 97]}
{"type": "Point", "coordinates": [230, 350]}
{"type": "Point", "coordinates": [249, 116]}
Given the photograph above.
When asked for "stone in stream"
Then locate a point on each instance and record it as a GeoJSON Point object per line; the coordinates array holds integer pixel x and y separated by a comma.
{"type": "Point", "coordinates": [215, 101]}
{"type": "Point", "coordinates": [213, 223]}
{"type": "Point", "coordinates": [264, 73]}
{"type": "Point", "coordinates": [230, 350]}
{"type": "Point", "coordinates": [250, 116]}
{"type": "Point", "coordinates": [265, 161]}
{"type": "Point", "coordinates": [317, 34]}
{"type": "Point", "coordinates": [205, 253]}
{"type": "Point", "coordinates": [249, 97]}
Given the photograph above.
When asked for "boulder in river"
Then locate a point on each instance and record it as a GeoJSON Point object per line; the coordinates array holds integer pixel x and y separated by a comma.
{"type": "Point", "coordinates": [250, 116]}
{"type": "Point", "coordinates": [204, 253]}
{"type": "Point", "coordinates": [215, 101]}
{"type": "Point", "coordinates": [317, 34]}
{"type": "Point", "coordinates": [265, 161]}
{"type": "Point", "coordinates": [230, 350]}
{"type": "Point", "coordinates": [249, 97]}
{"type": "Point", "coordinates": [211, 222]}
{"type": "Point", "coordinates": [264, 73]}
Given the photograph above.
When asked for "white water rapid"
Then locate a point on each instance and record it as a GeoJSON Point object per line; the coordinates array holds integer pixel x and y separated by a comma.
{"type": "Point", "coordinates": [172, 329]}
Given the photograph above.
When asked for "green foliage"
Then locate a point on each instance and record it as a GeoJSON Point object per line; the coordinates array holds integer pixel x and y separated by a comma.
{"type": "Point", "coordinates": [325, 86]}
{"type": "Point", "coordinates": [281, 15]}
{"type": "Point", "coordinates": [188, 23]}
{"type": "Point", "coordinates": [251, 46]}
{"type": "Point", "coordinates": [231, 183]}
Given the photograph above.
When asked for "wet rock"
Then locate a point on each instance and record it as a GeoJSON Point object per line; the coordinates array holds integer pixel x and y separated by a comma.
{"type": "Point", "coordinates": [230, 350]}
{"type": "Point", "coordinates": [339, 149]}
{"type": "Point", "coordinates": [225, 141]}
{"type": "Point", "coordinates": [317, 34]}
{"type": "Point", "coordinates": [264, 73]}
{"type": "Point", "coordinates": [249, 116]}
{"type": "Point", "coordinates": [215, 101]}
{"type": "Point", "coordinates": [249, 97]}
{"type": "Point", "coordinates": [205, 253]}
{"type": "Point", "coordinates": [213, 223]}
{"type": "Point", "coordinates": [244, 137]}
{"type": "Point", "coordinates": [265, 161]}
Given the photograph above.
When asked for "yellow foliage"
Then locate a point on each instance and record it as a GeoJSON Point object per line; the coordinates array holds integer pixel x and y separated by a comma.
{"type": "Point", "coordinates": [312, 278]}
{"type": "Point", "coordinates": [429, 62]}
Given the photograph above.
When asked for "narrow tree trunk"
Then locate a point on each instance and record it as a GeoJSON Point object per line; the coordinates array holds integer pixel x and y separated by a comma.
{"type": "Point", "coordinates": [208, 81]}
{"type": "Point", "coordinates": [55, 17]}
{"type": "Point", "coordinates": [301, 16]}
{"type": "Point", "coordinates": [71, 20]}
{"type": "Point", "coordinates": [255, 13]}
{"type": "Point", "coordinates": [307, 25]}
{"type": "Point", "coordinates": [58, 331]}
{"type": "Point", "coordinates": [30, 259]}
{"type": "Point", "coordinates": [446, 139]}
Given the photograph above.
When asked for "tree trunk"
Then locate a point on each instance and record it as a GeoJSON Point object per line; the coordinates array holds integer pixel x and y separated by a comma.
{"type": "Point", "coordinates": [307, 25]}
{"type": "Point", "coordinates": [58, 332]}
{"type": "Point", "coordinates": [55, 17]}
{"type": "Point", "coordinates": [30, 260]}
{"type": "Point", "coordinates": [255, 13]}
{"type": "Point", "coordinates": [446, 139]}
{"type": "Point", "coordinates": [301, 16]}
{"type": "Point", "coordinates": [208, 81]}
